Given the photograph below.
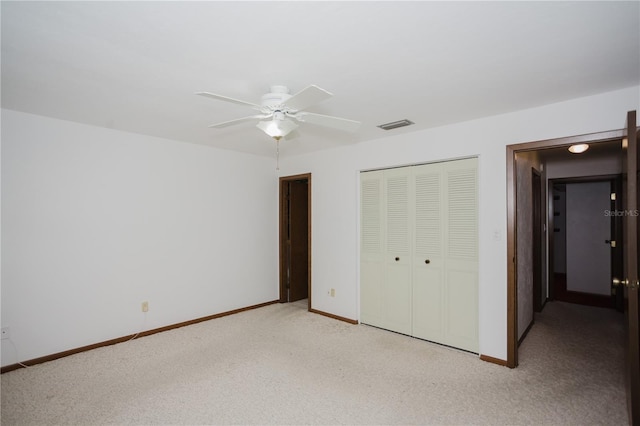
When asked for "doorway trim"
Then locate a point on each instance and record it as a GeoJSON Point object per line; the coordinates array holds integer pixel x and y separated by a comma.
{"type": "Point", "coordinates": [512, 285]}
{"type": "Point", "coordinates": [282, 240]}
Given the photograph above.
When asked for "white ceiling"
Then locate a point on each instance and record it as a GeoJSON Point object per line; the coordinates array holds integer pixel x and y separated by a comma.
{"type": "Point", "coordinates": [135, 66]}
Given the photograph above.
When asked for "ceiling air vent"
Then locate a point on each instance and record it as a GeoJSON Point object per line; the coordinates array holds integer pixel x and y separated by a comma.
{"type": "Point", "coordinates": [396, 124]}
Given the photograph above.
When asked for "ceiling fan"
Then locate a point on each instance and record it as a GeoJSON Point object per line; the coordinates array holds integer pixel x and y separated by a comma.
{"type": "Point", "coordinates": [278, 111]}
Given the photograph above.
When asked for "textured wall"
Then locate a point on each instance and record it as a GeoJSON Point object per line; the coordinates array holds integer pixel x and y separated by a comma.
{"type": "Point", "coordinates": [524, 163]}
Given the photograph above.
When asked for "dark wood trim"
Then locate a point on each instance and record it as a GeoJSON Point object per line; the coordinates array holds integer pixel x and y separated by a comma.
{"type": "Point", "coordinates": [336, 317]}
{"type": "Point", "coordinates": [63, 354]}
{"type": "Point", "coordinates": [309, 210]}
{"type": "Point", "coordinates": [551, 240]}
{"type": "Point", "coordinates": [512, 286]}
{"type": "Point", "coordinates": [282, 238]}
{"type": "Point", "coordinates": [493, 360]}
{"type": "Point", "coordinates": [630, 231]}
{"type": "Point", "coordinates": [524, 335]}
{"type": "Point", "coordinates": [597, 137]}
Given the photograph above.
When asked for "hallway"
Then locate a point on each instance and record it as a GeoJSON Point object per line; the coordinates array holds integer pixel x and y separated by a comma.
{"type": "Point", "coordinates": [580, 350]}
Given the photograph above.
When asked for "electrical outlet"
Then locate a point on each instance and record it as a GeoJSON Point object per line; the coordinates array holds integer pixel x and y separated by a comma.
{"type": "Point", "coordinates": [145, 306]}
{"type": "Point", "coordinates": [332, 292]}
{"type": "Point", "coordinates": [5, 333]}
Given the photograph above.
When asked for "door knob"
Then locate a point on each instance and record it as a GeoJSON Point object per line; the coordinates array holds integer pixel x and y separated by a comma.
{"type": "Point", "coordinates": [397, 258]}
{"type": "Point", "coordinates": [626, 283]}
{"type": "Point", "coordinates": [427, 261]}
{"type": "Point", "coordinates": [616, 282]}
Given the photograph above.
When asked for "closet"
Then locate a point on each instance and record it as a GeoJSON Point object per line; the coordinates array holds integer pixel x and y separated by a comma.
{"type": "Point", "coordinates": [419, 251]}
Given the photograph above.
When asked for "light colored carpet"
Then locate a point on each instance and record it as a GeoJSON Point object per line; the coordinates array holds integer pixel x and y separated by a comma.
{"type": "Point", "coordinates": [283, 365]}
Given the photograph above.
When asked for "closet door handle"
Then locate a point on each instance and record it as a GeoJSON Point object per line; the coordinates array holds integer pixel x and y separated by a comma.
{"type": "Point", "coordinates": [427, 261]}
{"type": "Point", "coordinates": [397, 259]}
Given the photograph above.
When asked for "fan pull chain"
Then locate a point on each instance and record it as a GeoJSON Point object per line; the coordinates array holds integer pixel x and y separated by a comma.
{"type": "Point", "coordinates": [277, 153]}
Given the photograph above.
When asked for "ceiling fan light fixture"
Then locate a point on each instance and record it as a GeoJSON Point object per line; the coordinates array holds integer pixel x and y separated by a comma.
{"type": "Point", "coordinates": [279, 109]}
{"type": "Point", "coordinates": [579, 148]}
{"type": "Point", "coordinates": [277, 128]}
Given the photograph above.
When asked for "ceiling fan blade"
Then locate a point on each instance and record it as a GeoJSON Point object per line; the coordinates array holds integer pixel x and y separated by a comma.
{"type": "Point", "coordinates": [308, 96]}
{"type": "Point", "coordinates": [328, 121]}
{"type": "Point", "coordinates": [240, 120]}
{"type": "Point", "coordinates": [228, 99]}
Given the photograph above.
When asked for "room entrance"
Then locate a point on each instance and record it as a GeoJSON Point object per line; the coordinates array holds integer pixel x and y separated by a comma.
{"type": "Point", "coordinates": [628, 139]}
{"type": "Point", "coordinates": [295, 238]}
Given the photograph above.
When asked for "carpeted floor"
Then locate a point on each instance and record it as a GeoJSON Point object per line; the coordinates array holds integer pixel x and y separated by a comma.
{"type": "Point", "coordinates": [283, 365]}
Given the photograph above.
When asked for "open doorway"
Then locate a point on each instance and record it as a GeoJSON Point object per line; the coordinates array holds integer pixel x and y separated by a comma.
{"type": "Point", "coordinates": [627, 140]}
{"type": "Point", "coordinates": [295, 239]}
{"type": "Point", "coordinates": [541, 156]}
{"type": "Point", "coordinates": [583, 246]}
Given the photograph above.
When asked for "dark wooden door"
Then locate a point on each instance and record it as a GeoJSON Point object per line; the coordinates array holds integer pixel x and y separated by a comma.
{"type": "Point", "coordinates": [294, 238]}
{"type": "Point", "coordinates": [630, 281]}
{"type": "Point", "coordinates": [617, 229]}
{"type": "Point", "coordinates": [298, 240]}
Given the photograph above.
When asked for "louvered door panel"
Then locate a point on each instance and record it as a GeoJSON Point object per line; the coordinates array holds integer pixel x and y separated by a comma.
{"type": "Point", "coordinates": [372, 291]}
{"type": "Point", "coordinates": [397, 202]}
{"type": "Point", "coordinates": [462, 213]}
{"type": "Point", "coordinates": [428, 214]}
{"type": "Point", "coordinates": [371, 214]}
{"type": "Point", "coordinates": [397, 219]}
{"type": "Point", "coordinates": [461, 278]}
{"type": "Point", "coordinates": [427, 285]}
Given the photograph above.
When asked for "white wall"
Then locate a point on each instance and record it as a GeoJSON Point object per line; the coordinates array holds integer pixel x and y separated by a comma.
{"type": "Point", "coordinates": [95, 221]}
{"type": "Point", "coordinates": [335, 194]}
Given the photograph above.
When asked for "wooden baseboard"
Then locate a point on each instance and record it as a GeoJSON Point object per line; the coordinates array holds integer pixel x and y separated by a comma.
{"type": "Point", "coordinates": [493, 360]}
{"type": "Point", "coordinates": [59, 355]}
{"type": "Point", "coordinates": [336, 317]}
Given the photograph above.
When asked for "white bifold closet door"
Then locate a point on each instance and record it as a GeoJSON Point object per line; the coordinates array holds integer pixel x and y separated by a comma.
{"type": "Point", "coordinates": [419, 251]}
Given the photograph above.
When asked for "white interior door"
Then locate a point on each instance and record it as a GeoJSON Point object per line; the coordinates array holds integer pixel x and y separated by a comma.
{"type": "Point", "coordinates": [429, 262]}
{"type": "Point", "coordinates": [372, 292]}
{"type": "Point", "coordinates": [398, 231]}
{"type": "Point", "coordinates": [461, 298]}
{"type": "Point", "coordinates": [419, 251]}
